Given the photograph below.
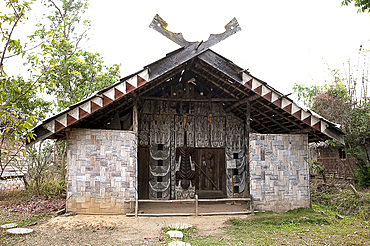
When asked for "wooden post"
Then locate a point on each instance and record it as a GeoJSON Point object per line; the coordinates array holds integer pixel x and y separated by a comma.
{"type": "Point", "coordinates": [135, 128]}
{"type": "Point", "coordinates": [246, 132]}
{"type": "Point", "coordinates": [196, 206]}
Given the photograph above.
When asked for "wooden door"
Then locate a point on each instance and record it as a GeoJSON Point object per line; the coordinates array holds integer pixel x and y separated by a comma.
{"type": "Point", "coordinates": [210, 174]}
{"type": "Point", "coordinates": [143, 162]}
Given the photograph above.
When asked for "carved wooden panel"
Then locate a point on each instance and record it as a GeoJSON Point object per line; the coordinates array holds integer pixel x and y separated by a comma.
{"type": "Point", "coordinates": [206, 125]}
{"type": "Point", "coordinates": [235, 150]}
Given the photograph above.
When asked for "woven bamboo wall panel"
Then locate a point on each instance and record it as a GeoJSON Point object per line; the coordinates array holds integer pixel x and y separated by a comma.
{"type": "Point", "coordinates": [101, 170]}
{"type": "Point", "coordinates": [279, 174]}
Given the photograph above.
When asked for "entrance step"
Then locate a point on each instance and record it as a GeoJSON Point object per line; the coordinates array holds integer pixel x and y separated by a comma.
{"type": "Point", "coordinates": [190, 214]}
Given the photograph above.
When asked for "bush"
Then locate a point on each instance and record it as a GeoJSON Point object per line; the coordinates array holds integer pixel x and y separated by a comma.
{"type": "Point", "coordinates": [344, 202]}
{"type": "Point", "coordinates": [362, 175]}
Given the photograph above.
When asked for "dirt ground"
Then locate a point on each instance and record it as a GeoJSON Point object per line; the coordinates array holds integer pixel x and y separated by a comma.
{"type": "Point", "coordinates": [117, 229]}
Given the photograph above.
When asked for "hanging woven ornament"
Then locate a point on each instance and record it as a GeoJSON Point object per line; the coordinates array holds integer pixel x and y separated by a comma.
{"type": "Point", "coordinates": [210, 119]}
{"type": "Point", "coordinates": [184, 120]}
{"type": "Point", "coordinates": [164, 118]}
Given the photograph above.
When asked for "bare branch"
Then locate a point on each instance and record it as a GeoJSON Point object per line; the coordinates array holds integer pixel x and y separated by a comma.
{"type": "Point", "coordinates": [15, 11]}
{"type": "Point", "coordinates": [7, 42]}
{"type": "Point", "coordinates": [23, 51]}
{"type": "Point", "coordinates": [60, 12]}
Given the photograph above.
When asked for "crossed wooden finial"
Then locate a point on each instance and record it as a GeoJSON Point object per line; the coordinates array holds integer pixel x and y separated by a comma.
{"type": "Point", "coordinates": [160, 26]}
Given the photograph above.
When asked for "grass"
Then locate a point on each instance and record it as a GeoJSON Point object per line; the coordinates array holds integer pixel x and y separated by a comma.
{"type": "Point", "coordinates": [188, 234]}
{"type": "Point", "coordinates": [295, 227]}
{"type": "Point", "coordinates": [317, 226]}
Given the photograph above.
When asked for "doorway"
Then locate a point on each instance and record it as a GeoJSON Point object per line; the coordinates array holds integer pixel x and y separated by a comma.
{"type": "Point", "coordinates": [143, 172]}
{"type": "Point", "coordinates": [210, 172]}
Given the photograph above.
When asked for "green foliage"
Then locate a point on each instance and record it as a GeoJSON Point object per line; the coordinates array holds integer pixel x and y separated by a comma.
{"type": "Point", "coordinates": [363, 5]}
{"type": "Point", "coordinates": [306, 93]}
{"type": "Point", "coordinates": [358, 141]}
{"type": "Point", "coordinates": [315, 167]}
{"type": "Point", "coordinates": [328, 99]}
{"type": "Point", "coordinates": [20, 107]}
{"type": "Point", "coordinates": [46, 177]}
{"type": "Point", "coordinates": [8, 23]}
{"type": "Point", "coordinates": [63, 70]}
{"type": "Point", "coordinates": [362, 174]}
{"type": "Point", "coordinates": [339, 104]}
{"type": "Point", "coordinates": [72, 75]}
{"type": "Point", "coordinates": [66, 19]}
{"type": "Point", "coordinates": [344, 202]}
{"type": "Point", "coordinates": [69, 73]}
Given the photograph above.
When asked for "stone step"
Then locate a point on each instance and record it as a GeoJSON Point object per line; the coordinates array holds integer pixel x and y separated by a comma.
{"type": "Point", "coordinates": [175, 234]}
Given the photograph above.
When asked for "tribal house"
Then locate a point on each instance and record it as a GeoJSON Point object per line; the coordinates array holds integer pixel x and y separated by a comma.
{"type": "Point", "coordinates": [190, 125]}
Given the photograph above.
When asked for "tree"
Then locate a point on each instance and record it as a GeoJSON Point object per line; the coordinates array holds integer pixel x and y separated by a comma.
{"type": "Point", "coordinates": [19, 105]}
{"type": "Point", "coordinates": [327, 100]}
{"type": "Point", "coordinates": [363, 5]}
{"type": "Point", "coordinates": [67, 72]}
{"type": "Point", "coordinates": [70, 74]}
{"type": "Point", "coordinates": [345, 101]}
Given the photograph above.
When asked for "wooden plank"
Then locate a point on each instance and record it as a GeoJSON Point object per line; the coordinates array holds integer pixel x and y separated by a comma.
{"type": "Point", "coordinates": [190, 214]}
{"type": "Point", "coordinates": [224, 199]}
{"type": "Point", "coordinates": [160, 215]}
{"type": "Point", "coordinates": [225, 213]}
{"type": "Point", "coordinates": [167, 201]}
{"type": "Point", "coordinates": [222, 64]}
{"type": "Point", "coordinates": [199, 200]}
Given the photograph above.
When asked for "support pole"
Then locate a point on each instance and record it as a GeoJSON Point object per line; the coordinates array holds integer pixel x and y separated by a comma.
{"type": "Point", "coordinates": [196, 206]}
{"type": "Point", "coordinates": [135, 128]}
{"type": "Point", "coordinates": [247, 132]}
{"type": "Point", "coordinates": [247, 128]}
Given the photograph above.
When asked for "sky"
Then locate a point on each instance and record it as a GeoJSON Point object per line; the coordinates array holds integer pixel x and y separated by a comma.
{"type": "Point", "coordinates": [281, 42]}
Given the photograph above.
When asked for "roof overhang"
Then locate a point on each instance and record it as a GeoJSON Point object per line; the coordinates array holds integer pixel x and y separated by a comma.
{"type": "Point", "coordinates": [272, 112]}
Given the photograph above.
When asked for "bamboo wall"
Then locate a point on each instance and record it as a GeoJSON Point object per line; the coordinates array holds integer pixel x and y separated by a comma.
{"type": "Point", "coordinates": [101, 171]}
{"type": "Point", "coordinates": [279, 171]}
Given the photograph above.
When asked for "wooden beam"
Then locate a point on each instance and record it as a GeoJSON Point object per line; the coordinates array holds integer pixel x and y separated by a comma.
{"type": "Point", "coordinates": [246, 133]}
{"type": "Point", "coordinates": [190, 100]}
{"type": "Point", "coordinates": [161, 80]}
{"type": "Point", "coordinates": [232, 84]}
{"type": "Point", "coordinates": [244, 101]}
{"type": "Point", "coordinates": [275, 111]}
{"type": "Point", "coordinates": [273, 120]}
{"type": "Point", "coordinates": [216, 84]}
{"type": "Point", "coordinates": [262, 125]}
